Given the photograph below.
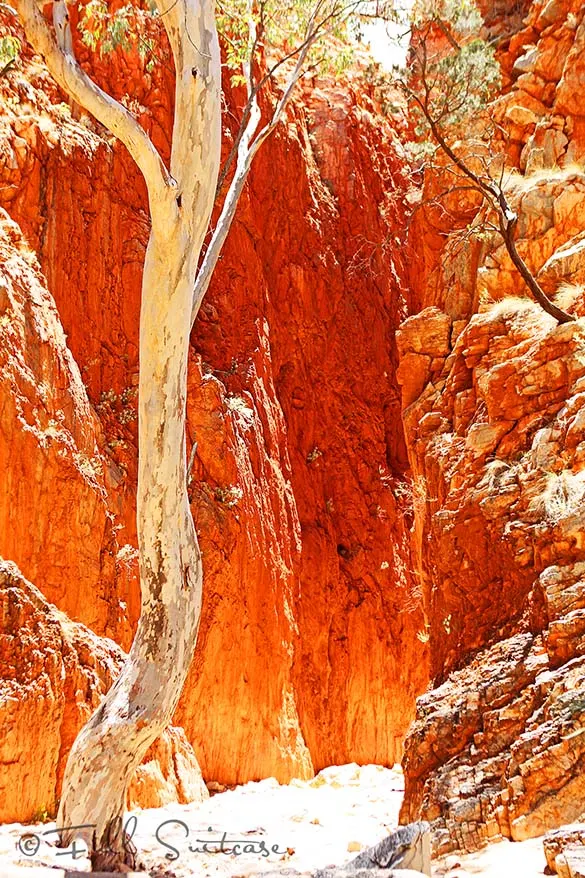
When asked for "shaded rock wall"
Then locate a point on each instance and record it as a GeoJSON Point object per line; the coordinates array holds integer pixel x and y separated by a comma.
{"type": "Point", "coordinates": [308, 651]}
{"type": "Point", "coordinates": [49, 450]}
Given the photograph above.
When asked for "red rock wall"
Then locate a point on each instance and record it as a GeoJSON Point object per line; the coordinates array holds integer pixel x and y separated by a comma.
{"type": "Point", "coordinates": [49, 451]}
{"type": "Point", "coordinates": [308, 651]}
{"type": "Point", "coordinates": [497, 444]}
{"type": "Point", "coordinates": [443, 395]}
{"type": "Point", "coordinates": [492, 396]}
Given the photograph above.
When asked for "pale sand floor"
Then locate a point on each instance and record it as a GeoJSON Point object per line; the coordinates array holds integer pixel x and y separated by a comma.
{"type": "Point", "coordinates": [312, 824]}
{"type": "Point", "coordinates": [504, 859]}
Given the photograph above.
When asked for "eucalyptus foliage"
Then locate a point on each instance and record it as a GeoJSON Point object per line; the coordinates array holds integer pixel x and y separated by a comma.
{"type": "Point", "coordinates": [268, 31]}
{"type": "Point", "coordinates": [9, 52]}
{"type": "Point", "coordinates": [452, 75]}
{"type": "Point", "coordinates": [124, 29]}
{"type": "Point", "coordinates": [456, 80]}
{"type": "Point", "coordinates": [462, 15]}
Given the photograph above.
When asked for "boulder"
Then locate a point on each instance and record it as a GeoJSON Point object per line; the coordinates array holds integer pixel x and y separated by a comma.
{"type": "Point", "coordinates": [408, 847]}
{"type": "Point", "coordinates": [567, 264]}
{"type": "Point", "coordinates": [571, 862]}
{"type": "Point", "coordinates": [404, 853]}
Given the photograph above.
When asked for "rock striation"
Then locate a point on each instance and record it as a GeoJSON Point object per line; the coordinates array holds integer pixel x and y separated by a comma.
{"type": "Point", "coordinates": [49, 451]}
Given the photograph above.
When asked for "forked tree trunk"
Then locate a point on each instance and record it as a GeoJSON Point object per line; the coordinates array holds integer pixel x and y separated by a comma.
{"type": "Point", "coordinates": [141, 702]}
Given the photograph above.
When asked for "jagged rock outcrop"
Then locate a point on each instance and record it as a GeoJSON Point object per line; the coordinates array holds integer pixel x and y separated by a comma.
{"type": "Point", "coordinates": [493, 403]}
{"type": "Point", "coordinates": [53, 673]}
{"type": "Point", "coordinates": [498, 749]}
{"type": "Point", "coordinates": [308, 653]}
{"type": "Point", "coordinates": [542, 110]}
{"type": "Point", "coordinates": [496, 438]}
{"type": "Point", "coordinates": [496, 454]}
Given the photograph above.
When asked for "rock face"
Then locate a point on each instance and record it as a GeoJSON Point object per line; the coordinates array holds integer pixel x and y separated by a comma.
{"type": "Point", "coordinates": [492, 408]}
{"type": "Point", "coordinates": [308, 653]}
{"type": "Point", "coordinates": [49, 451]}
{"type": "Point", "coordinates": [497, 449]}
{"type": "Point", "coordinates": [543, 64]}
{"type": "Point", "coordinates": [498, 749]}
{"type": "Point", "coordinates": [53, 673]}
{"type": "Point", "coordinates": [317, 546]}
{"type": "Point", "coordinates": [497, 471]}
{"type": "Point", "coordinates": [492, 413]}
{"type": "Point", "coordinates": [496, 444]}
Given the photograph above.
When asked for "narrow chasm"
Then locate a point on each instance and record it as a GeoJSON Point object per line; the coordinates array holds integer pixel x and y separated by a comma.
{"type": "Point", "coordinates": [385, 444]}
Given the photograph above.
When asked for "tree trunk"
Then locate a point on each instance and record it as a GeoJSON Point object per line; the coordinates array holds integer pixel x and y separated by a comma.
{"type": "Point", "coordinates": [508, 231]}
{"type": "Point", "coordinates": [142, 701]}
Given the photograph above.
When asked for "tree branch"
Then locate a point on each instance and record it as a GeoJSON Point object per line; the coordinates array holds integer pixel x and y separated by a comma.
{"type": "Point", "coordinates": [246, 114]}
{"type": "Point", "coordinates": [246, 151]}
{"type": "Point", "coordinates": [496, 196]}
{"type": "Point", "coordinates": [57, 50]}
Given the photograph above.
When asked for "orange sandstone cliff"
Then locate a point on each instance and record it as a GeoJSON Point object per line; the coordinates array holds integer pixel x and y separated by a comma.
{"type": "Point", "coordinates": [387, 440]}
{"type": "Point", "coordinates": [308, 651]}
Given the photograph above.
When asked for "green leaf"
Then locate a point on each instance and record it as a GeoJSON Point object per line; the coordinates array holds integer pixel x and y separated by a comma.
{"type": "Point", "coordinates": [9, 51]}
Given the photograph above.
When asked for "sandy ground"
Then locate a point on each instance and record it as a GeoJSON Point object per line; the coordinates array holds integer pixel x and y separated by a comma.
{"type": "Point", "coordinates": [302, 825]}
{"type": "Point", "coordinates": [504, 859]}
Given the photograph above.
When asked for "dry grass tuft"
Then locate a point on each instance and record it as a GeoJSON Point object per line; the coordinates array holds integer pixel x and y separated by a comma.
{"type": "Point", "coordinates": [519, 183]}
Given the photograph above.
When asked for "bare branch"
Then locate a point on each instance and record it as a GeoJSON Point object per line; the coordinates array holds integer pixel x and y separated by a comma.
{"type": "Point", "coordinates": [248, 63]}
{"type": "Point", "coordinates": [486, 185]}
{"type": "Point", "coordinates": [310, 39]}
{"type": "Point", "coordinates": [246, 150]}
